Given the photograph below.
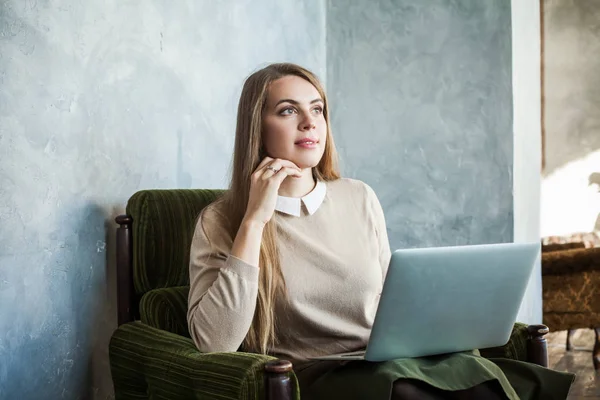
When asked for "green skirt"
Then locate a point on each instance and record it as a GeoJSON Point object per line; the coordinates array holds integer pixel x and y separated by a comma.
{"type": "Point", "coordinates": [362, 380]}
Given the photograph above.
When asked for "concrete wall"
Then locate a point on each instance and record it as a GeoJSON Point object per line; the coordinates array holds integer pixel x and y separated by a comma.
{"type": "Point", "coordinates": [97, 100]}
{"type": "Point", "coordinates": [571, 185]}
{"type": "Point", "coordinates": [422, 111]}
{"type": "Point", "coordinates": [424, 95]}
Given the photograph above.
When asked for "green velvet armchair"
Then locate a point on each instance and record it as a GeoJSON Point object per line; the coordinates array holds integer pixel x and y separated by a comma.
{"type": "Point", "coordinates": [151, 353]}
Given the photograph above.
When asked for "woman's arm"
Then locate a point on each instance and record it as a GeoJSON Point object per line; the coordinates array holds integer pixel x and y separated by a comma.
{"type": "Point", "coordinates": [380, 230]}
{"type": "Point", "coordinates": [224, 272]}
{"type": "Point", "coordinates": [223, 286]}
{"type": "Point", "coordinates": [246, 245]}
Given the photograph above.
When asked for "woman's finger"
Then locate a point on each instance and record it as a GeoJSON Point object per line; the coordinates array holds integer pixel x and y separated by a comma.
{"type": "Point", "coordinates": [264, 162]}
{"type": "Point", "coordinates": [271, 169]}
{"type": "Point", "coordinates": [280, 162]}
{"type": "Point", "coordinates": [284, 172]}
{"type": "Point", "coordinates": [288, 163]}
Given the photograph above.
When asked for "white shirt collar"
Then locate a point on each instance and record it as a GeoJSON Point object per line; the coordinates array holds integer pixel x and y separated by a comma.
{"type": "Point", "coordinates": [312, 201]}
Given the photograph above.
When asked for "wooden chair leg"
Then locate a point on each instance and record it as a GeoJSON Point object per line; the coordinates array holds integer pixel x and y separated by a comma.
{"type": "Point", "coordinates": [278, 385]}
{"type": "Point", "coordinates": [569, 344]}
{"type": "Point", "coordinates": [596, 351]}
{"type": "Point", "coordinates": [537, 348]}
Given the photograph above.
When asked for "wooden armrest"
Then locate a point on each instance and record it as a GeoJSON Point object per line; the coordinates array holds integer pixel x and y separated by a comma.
{"type": "Point", "coordinates": [537, 347]}
{"type": "Point", "coordinates": [278, 384]}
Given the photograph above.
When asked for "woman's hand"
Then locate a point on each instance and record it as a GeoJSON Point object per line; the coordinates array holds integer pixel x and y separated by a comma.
{"type": "Point", "coordinates": [264, 186]}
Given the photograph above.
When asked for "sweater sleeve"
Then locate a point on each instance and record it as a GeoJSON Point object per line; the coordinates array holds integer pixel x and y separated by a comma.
{"type": "Point", "coordinates": [223, 288]}
{"type": "Point", "coordinates": [380, 230]}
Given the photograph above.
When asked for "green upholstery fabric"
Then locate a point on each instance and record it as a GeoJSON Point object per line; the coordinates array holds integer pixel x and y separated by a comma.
{"type": "Point", "coordinates": [163, 225]}
{"type": "Point", "coordinates": [515, 349]}
{"type": "Point", "coordinates": [166, 309]}
{"type": "Point", "coordinates": [149, 363]}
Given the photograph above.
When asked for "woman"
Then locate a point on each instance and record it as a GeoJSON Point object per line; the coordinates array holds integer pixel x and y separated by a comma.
{"type": "Point", "coordinates": [291, 261]}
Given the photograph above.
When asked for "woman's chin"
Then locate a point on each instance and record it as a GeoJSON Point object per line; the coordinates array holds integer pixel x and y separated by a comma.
{"type": "Point", "coordinates": [305, 164]}
{"type": "Point", "coordinates": [306, 161]}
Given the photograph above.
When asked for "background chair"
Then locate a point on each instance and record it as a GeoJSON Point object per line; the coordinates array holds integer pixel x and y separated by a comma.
{"type": "Point", "coordinates": [151, 353]}
{"type": "Point", "coordinates": [571, 290]}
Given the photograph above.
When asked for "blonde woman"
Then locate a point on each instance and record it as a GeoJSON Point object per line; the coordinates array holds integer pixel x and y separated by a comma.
{"type": "Point", "coordinates": [291, 261]}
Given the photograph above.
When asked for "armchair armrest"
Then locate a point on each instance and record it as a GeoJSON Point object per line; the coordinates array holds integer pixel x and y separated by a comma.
{"type": "Point", "coordinates": [526, 343]}
{"type": "Point", "coordinates": [151, 363]}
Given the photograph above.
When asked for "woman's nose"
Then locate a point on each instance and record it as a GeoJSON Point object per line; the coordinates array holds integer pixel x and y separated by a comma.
{"type": "Point", "coordinates": [308, 123]}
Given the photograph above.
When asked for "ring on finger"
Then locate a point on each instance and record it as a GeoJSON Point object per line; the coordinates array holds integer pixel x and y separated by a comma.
{"type": "Point", "coordinates": [273, 169]}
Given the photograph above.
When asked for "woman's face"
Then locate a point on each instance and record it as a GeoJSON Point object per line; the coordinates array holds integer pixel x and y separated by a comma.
{"type": "Point", "coordinates": [294, 127]}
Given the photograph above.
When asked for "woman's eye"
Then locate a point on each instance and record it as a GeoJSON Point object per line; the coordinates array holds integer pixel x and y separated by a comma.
{"type": "Point", "coordinates": [287, 111]}
{"type": "Point", "coordinates": [318, 110]}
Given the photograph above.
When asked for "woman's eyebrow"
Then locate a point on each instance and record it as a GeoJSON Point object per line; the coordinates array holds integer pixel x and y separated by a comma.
{"type": "Point", "coordinates": [295, 102]}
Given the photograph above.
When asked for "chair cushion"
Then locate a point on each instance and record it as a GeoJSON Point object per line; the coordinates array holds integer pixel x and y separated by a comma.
{"type": "Point", "coordinates": [515, 349]}
{"type": "Point", "coordinates": [166, 309]}
{"type": "Point", "coordinates": [163, 226]}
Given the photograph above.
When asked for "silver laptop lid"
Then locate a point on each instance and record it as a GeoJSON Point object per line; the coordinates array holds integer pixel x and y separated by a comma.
{"type": "Point", "coordinates": [450, 299]}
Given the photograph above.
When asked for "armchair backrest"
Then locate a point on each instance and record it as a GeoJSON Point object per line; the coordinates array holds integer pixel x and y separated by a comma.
{"type": "Point", "coordinates": [547, 248]}
{"type": "Point", "coordinates": [156, 233]}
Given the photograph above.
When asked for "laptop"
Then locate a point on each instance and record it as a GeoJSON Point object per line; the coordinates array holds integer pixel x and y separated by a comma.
{"type": "Point", "coordinates": [448, 299]}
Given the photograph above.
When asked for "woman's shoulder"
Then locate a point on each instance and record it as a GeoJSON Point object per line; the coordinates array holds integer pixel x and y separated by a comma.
{"type": "Point", "coordinates": [214, 212]}
{"type": "Point", "coordinates": [355, 194]}
{"type": "Point", "coordinates": [350, 187]}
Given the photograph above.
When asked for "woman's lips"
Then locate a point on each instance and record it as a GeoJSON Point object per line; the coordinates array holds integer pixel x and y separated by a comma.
{"type": "Point", "coordinates": [307, 143]}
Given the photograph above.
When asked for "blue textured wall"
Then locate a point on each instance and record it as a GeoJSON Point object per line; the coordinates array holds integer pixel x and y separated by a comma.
{"type": "Point", "coordinates": [97, 100]}
{"type": "Point", "coordinates": [422, 111]}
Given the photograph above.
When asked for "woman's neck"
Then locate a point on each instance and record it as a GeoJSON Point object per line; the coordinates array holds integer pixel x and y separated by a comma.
{"type": "Point", "coordinates": [298, 187]}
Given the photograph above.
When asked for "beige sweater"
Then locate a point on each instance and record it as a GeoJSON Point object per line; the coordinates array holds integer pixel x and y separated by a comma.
{"type": "Point", "coordinates": [333, 261]}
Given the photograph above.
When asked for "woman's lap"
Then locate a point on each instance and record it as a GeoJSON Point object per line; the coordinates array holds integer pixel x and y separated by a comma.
{"type": "Point", "coordinates": [376, 381]}
{"type": "Point", "coordinates": [409, 389]}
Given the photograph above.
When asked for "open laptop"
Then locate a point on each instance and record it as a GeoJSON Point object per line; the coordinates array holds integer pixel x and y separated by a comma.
{"type": "Point", "coordinates": [448, 299]}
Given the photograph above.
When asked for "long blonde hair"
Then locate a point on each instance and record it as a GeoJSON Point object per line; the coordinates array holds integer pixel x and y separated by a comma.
{"type": "Point", "coordinates": [248, 152]}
